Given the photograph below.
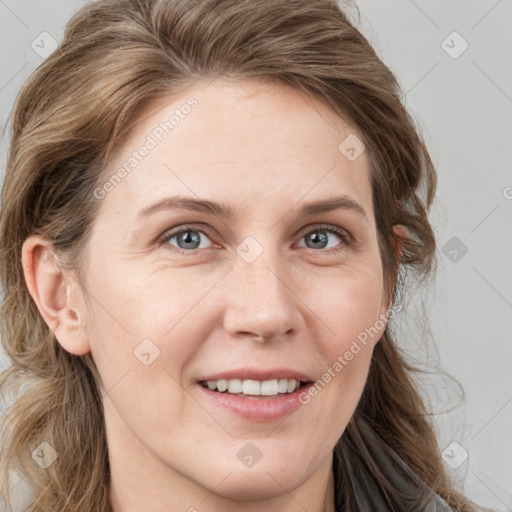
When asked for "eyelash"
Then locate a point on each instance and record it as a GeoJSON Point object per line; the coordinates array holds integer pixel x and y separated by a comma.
{"type": "Point", "coordinates": [168, 235]}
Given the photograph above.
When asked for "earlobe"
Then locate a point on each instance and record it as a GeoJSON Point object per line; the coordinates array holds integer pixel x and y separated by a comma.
{"type": "Point", "coordinates": [402, 233]}
{"type": "Point", "coordinates": [52, 290]}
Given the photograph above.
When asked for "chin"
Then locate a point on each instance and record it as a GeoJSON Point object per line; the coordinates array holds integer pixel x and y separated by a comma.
{"type": "Point", "coordinates": [258, 485]}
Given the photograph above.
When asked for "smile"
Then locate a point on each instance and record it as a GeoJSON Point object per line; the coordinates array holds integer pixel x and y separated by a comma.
{"type": "Point", "coordinates": [255, 407]}
{"type": "Point", "coordinates": [253, 388]}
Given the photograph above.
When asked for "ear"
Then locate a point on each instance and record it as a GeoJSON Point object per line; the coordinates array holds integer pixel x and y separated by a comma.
{"type": "Point", "coordinates": [402, 233]}
{"type": "Point", "coordinates": [55, 294]}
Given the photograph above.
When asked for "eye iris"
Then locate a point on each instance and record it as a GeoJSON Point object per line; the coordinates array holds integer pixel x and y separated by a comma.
{"type": "Point", "coordinates": [187, 238]}
{"type": "Point", "coordinates": [315, 237]}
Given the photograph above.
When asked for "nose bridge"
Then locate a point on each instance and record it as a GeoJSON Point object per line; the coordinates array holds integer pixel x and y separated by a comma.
{"type": "Point", "coordinates": [260, 301]}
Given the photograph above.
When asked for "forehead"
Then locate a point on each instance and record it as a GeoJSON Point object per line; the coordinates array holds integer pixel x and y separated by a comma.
{"type": "Point", "coordinates": [238, 142]}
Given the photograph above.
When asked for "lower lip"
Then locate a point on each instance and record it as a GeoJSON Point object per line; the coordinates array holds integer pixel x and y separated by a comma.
{"type": "Point", "coordinates": [258, 409]}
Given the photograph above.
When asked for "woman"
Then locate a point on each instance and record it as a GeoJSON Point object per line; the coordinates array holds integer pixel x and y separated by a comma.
{"type": "Point", "coordinates": [254, 369]}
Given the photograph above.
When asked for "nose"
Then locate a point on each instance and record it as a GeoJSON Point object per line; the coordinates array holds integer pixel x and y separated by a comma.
{"type": "Point", "coordinates": [260, 301]}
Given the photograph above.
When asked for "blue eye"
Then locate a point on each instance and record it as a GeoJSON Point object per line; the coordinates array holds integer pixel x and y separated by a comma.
{"type": "Point", "coordinates": [188, 239]}
{"type": "Point", "coordinates": [323, 239]}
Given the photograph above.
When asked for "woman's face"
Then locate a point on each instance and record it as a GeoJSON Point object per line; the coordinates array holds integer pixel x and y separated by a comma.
{"type": "Point", "coordinates": [168, 310]}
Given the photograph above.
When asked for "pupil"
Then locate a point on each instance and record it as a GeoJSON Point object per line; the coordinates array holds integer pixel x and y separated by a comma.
{"type": "Point", "coordinates": [187, 238]}
{"type": "Point", "coordinates": [315, 237]}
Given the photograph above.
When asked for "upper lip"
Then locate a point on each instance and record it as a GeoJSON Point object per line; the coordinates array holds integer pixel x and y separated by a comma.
{"type": "Point", "coordinates": [255, 374]}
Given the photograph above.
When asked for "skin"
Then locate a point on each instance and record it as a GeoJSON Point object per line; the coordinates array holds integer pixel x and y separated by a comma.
{"type": "Point", "coordinates": [266, 151]}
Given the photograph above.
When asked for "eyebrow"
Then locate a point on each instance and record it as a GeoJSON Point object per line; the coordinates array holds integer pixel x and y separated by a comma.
{"type": "Point", "coordinates": [226, 211]}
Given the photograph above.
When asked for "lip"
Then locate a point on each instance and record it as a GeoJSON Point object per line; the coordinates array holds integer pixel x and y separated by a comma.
{"type": "Point", "coordinates": [255, 374]}
{"type": "Point", "coordinates": [256, 409]}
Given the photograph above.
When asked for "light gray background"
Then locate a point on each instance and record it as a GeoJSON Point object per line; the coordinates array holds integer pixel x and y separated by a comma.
{"type": "Point", "coordinates": [464, 105]}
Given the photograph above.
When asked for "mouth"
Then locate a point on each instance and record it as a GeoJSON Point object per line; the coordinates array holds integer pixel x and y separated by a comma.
{"type": "Point", "coordinates": [246, 399]}
{"type": "Point", "coordinates": [255, 389]}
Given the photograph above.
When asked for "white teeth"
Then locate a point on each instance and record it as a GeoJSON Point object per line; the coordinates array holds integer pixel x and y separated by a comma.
{"type": "Point", "coordinates": [251, 387]}
{"type": "Point", "coordinates": [235, 386]}
{"type": "Point", "coordinates": [282, 387]}
{"type": "Point", "coordinates": [222, 385]}
{"type": "Point", "coordinates": [269, 387]}
{"type": "Point", "coordinates": [254, 387]}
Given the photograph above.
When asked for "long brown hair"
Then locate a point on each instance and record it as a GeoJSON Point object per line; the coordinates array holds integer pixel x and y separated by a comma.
{"type": "Point", "coordinates": [115, 56]}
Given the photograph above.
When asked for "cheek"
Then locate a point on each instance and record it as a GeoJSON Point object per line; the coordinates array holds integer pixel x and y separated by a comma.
{"type": "Point", "coordinates": [146, 325]}
{"type": "Point", "coordinates": [349, 311]}
{"type": "Point", "coordinates": [348, 303]}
